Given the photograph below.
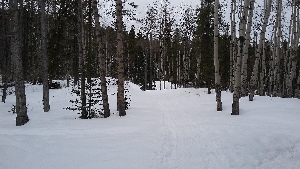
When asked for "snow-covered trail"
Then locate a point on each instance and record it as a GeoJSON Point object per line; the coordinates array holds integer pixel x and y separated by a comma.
{"type": "Point", "coordinates": [163, 129]}
{"type": "Point", "coordinates": [193, 134]}
{"type": "Point", "coordinates": [184, 140]}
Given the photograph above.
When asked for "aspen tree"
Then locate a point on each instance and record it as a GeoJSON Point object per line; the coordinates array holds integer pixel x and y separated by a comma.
{"type": "Point", "coordinates": [84, 114]}
{"type": "Point", "coordinates": [21, 109]}
{"type": "Point", "coordinates": [44, 57]}
{"type": "Point", "coordinates": [120, 53]}
{"type": "Point", "coordinates": [244, 82]}
{"type": "Point", "coordinates": [216, 57]}
{"type": "Point", "coordinates": [294, 46]}
{"type": "Point", "coordinates": [101, 57]}
{"type": "Point", "coordinates": [237, 83]}
{"type": "Point", "coordinates": [232, 44]}
{"type": "Point", "coordinates": [254, 77]}
{"type": "Point", "coordinates": [277, 37]}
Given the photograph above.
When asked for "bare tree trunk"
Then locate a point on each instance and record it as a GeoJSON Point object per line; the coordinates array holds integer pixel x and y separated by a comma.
{"type": "Point", "coordinates": [150, 64]}
{"type": "Point", "coordinates": [84, 114]}
{"type": "Point", "coordinates": [244, 86]}
{"type": "Point", "coordinates": [21, 109]}
{"type": "Point", "coordinates": [263, 72]}
{"type": "Point", "coordinates": [294, 47]}
{"type": "Point", "coordinates": [216, 57]}
{"type": "Point", "coordinates": [298, 85]}
{"type": "Point", "coordinates": [4, 53]}
{"type": "Point", "coordinates": [254, 77]}
{"type": "Point", "coordinates": [145, 68]}
{"type": "Point", "coordinates": [287, 62]}
{"type": "Point", "coordinates": [237, 84]}
{"type": "Point", "coordinates": [120, 53]}
{"type": "Point", "coordinates": [44, 57]}
{"type": "Point", "coordinates": [232, 44]}
{"type": "Point", "coordinates": [276, 78]}
{"type": "Point", "coordinates": [101, 61]}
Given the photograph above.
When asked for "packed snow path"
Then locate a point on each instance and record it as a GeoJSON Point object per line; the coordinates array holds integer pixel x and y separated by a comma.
{"type": "Point", "coordinates": [167, 129]}
{"type": "Point", "coordinates": [197, 136]}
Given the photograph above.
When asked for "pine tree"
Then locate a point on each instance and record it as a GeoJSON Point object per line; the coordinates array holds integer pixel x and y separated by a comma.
{"type": "Point", "coordinates": [204, 33]}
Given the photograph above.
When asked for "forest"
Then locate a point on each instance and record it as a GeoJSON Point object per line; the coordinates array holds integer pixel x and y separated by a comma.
{"type": "Point", "coordinates": [253, 53]}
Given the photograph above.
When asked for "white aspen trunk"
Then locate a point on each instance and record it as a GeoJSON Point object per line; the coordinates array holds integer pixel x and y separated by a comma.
{"type": "Point", "coordinates": [237, 84]}
{"type": "Point", "coordinates": [216, 57]}
{"type": "Point", "coordinates": [286, 61]}
{"type": "Point", "coordinates": [254, 78]}
{"type": "Point", "coordinates": [145, 69]}
{"type": "Point", "coordinates": [244, 86]}
{"type": "Point", "coordinates": [101, 56]}
{"type": "Point", "coordinates": [232, 44]}
{"type": "Point", "coordinates": [150, 59]}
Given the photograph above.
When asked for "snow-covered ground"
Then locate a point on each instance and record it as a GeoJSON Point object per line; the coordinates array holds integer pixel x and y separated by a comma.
{"type": "Point", "coordinates": [163, 129]}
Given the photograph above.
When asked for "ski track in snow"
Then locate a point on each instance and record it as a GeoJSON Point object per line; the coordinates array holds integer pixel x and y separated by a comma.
{"type": "Point", "coordinates": [182, 137]}
{"type": "Point", "coordinates": [163, 129]}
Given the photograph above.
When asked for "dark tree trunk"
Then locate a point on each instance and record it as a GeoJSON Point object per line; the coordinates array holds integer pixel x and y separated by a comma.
{"type": "Point", "coordinates": [84, 114]}
{"type": "Point", "coordinates": [101, 56]}
{"type": "Point", "coordinates": [21, 108]}
{"type": "Point", "coordinates": [120, 53]}
{"type": "Point", "coordinates": [44, 57]}
{"type": "Point", "coordinates": [4, 53]}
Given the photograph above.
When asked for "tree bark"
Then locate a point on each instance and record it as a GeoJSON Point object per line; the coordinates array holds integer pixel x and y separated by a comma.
{"type": "Point", "coordinates": [276, 74]}
{"type": "Point", "coordinates": [84, 114]}
{"type": "Point", "coordinates": [237, 84]}
{"type": "Point", "coordinates": [44, 57]}
{"type": "Point", "coordinates": [293, 54]}
{"type": "Point", "coordinates": [4, 53]}
{"type": "Point", "coordinates": [120, 53]}
{"type": "Point", "coordinates": [21, 109]}
{"type": "Point", "coordinates": [216, 57]}
{"type": "Point", "coordinates": [254, 78]}
{"type": "Point", "coordinates": [244, 86]}
{"type": "Point", "coordinates": [101, 57]}
{"type": "Point", "coordinates": [232, 45]}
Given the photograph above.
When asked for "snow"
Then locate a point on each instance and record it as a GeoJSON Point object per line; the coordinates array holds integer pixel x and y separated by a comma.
{"type": "Point", "coordinates": [163, 129]}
